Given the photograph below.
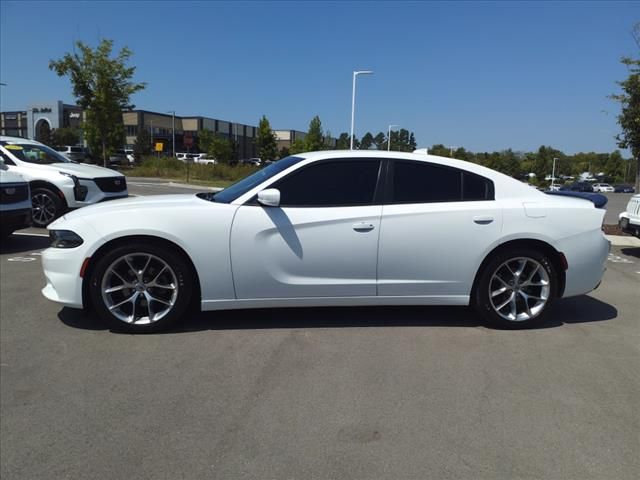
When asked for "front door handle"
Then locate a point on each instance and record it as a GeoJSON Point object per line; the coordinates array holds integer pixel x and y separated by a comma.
{"type": "Point", "coordinates": [483, 219]}
{"type": "Point", "coordinates": [363, 227]}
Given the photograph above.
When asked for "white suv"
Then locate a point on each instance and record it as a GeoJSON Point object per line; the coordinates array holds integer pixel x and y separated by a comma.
{"type": "Point", "coordinates": [629, 220]}
{"type": "Point", "coordinates": [15, 202]}
{"type": "Point", "coordinates": [58, 184]}
{"type": "Point", "coordinates": [602, 187]}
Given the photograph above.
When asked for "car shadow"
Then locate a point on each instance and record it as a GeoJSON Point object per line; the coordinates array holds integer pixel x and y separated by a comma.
{"type": "Point", "coordinates": [583, 309]}
{"type": "Point", "coordinates": [631, 251]}
{"type": "Point", "coordinates": [22, 243]}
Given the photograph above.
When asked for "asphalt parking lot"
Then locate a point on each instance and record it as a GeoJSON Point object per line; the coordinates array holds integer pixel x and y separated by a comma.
{"type": "Point", "coordinates": [358, 393]}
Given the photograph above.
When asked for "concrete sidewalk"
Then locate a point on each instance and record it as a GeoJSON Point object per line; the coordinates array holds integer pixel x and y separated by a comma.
{"type": "Point", "coordinates": [623, 241]}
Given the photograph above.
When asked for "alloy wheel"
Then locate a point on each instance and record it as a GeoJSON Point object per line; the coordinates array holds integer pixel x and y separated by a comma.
{"type": "Point", "coordinates": [519, 289]}
{"type": "Point", "coordinates": [43, 208]}
{"type": "Point", "coordinates": [139, 288]}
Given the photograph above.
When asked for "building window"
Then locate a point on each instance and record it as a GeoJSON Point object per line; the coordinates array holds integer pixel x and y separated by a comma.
{"type": "Point", "coordinates": [132, 130]}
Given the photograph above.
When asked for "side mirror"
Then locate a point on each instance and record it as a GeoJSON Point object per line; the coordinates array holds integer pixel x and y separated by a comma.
{"type": "Point", "coordinates": [269, 197]}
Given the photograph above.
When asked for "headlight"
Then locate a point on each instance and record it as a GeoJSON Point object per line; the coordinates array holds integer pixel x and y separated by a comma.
{"type": "Point", "coordinates": [64, 239]}
{"type": "Point", "coordinates": [79, 191]}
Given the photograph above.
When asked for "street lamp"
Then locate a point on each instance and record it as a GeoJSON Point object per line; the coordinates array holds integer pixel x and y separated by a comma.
{"type": "Point", "coordinates": [173, 130]}
{"type": "Point", "coordinates": [353, 99]}
{"type": "Point", "coordinates": [389, 137]}
{"type": "Point", "coordinates": [451, 150]}
{"type": "Point", "coordinates": [553, 173]}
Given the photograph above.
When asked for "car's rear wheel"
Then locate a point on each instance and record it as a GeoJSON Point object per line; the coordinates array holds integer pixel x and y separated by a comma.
{"type": "Point", "coordinates": [516, 288]}
{"type": "Point", "coordinates": [46, 206]}
{"type": "Point", "coordinates": [141, 287]}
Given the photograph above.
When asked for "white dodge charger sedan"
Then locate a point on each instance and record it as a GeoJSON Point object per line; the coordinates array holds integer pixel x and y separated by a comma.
{"type": "Point", "coordinates": [330, 228]}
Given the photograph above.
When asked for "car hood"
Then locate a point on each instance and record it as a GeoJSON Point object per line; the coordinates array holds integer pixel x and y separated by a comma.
{"type": "Point", "coordinates": [139, 206]}
{"type": "Point", "coordinates": [84, 170]}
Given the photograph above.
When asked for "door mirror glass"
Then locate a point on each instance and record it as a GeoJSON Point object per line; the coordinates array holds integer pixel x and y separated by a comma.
{"type": "Point", "coordinates": [269, 197]}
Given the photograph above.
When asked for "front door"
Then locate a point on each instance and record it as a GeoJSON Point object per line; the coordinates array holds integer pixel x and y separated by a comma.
{"type": "Point", "coordinates": [322, 241]}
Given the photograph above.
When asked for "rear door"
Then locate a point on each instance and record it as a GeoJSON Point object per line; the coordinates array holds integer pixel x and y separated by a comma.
{"type": "Point", "coordinates": [321, 241]}
{"type": "Point", "coordinates": [436, 225]}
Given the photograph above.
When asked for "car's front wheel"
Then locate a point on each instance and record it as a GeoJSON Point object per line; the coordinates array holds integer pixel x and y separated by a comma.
{"type": "Point", "coordinates": [516, 288]}
{"type": "Point", "coordinates": [46, 206]}
{"type": "Point", "coordinates": [141, 287]}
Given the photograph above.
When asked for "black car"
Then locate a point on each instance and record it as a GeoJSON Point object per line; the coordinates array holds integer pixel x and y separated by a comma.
{"type": "Point", "coordinates": [624, 189]}
{"type": "Point", "coordinates": [578, 187]}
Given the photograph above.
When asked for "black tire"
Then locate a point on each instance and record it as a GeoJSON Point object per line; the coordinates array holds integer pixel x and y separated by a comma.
{"type": "Point", "coordinates": [46, 206]}
{"type": "Point", "coordinates": [482, 297]}
{"type": "Point", "coordinates": [179, 273]}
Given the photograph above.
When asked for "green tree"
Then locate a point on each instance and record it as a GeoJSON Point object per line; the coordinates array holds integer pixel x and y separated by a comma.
{"type": "Point", "coordinates": [367, 141]}
{"type": "Point", "coordinates": [266, 141]}
{"type": "Point", "coordinates": [629, 118]}
{"type": "Point", "coordinates": [205, 139]}
{"type": "Point", "coordinates": [314, 140]}
{"type": "Point", "coordinates": [380, 141]}
{"type": "Point", "coordinates": [221, 149]}
{"type": "Point", "coordinates": [343, 141]}
{"type": "Point", "coordinates": [284, 152]}
{"type": "Point", "coordinates": [142, 145]}
{"type": "Point", "coordinates": [65, 136]}
{"type": "Point", "coordinates": [103, 88]}
{"type": "Point", "coordinates": [298, 146]}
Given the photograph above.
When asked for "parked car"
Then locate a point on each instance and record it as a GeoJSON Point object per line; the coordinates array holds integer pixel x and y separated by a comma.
{"type": "Point", "coordinates": [57, 184]}
{"type": "Point", "coordinates": [311, 230]}
{"type": "Point", "coordinates": [76, 153]}
{"type": "Point", "coordinates": [578, 187]}
{"type": "Point", "coordinates": [130, 155]}
{"type": "Point", "coordinates": [629, 220]}
{"type": "Point", "coordinates": [206, 160]}
{"type": "Point", "coordinates": [602, 187]}
{"type": "Point", "coordinates": [624, 189]}
{"type": "Point", "coordinates": [118, 158]}
{"type": "Point", "coordinates": [15, 202]}
{"type": "Point", "coordinates": [256, 162]}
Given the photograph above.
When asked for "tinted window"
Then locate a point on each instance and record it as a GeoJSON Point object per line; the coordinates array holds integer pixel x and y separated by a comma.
{"type": "Point", "coordinates": [418, 182]}
{"type": "Point", "coordinates": [476, 187]}
{"type": "Point", "coordinates": [335, 183]}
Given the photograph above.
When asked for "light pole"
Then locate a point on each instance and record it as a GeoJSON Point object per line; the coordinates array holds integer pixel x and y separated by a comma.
{"type": "Point", "coordinates": [353, 100]}
{"type": "Point", "coordinates": [389, 137]}
{"type": "Point", "coordinates": [173, 131]}
{"type": "Point", "coordinates": [451, 150]}
{"type": "Point", "coordinates": [553, 173]}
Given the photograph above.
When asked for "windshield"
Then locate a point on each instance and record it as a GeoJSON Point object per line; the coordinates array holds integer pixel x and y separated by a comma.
{"type": "Point", "coordinates": [32, 153]}
{"type": "Point", "coordinates": [229, 194]}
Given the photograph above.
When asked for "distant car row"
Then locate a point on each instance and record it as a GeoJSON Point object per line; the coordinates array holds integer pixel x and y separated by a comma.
{"type": "Point", "coordinates": [593, 187]}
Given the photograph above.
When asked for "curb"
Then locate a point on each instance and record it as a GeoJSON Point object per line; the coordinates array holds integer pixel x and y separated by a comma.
{"type": "Point", "coordinates": [620, 241]}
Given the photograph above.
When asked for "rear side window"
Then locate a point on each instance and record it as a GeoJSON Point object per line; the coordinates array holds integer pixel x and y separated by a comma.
{"type": "Point", "coordinates": [421, 182]}
{"type": "Point", "coordinates": [330, 184]}
{"type": "Point", "coordinates": [476, 187]}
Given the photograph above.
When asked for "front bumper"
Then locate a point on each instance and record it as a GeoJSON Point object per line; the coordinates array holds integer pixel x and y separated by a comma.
{"type": "Point", "coordinates": [627, 226]}
{"type": "Point", "coordinates": [12, 220]}
{"type": "Point", "coordinates": [61, 268]}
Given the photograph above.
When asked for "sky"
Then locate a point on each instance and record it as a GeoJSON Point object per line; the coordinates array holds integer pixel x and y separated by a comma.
{"type": "Point", "coordinates": [483, 75]}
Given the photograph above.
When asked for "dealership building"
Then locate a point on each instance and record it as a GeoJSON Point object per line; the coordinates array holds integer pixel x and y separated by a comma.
{"type": "Point", "coordinates": [40, 119]}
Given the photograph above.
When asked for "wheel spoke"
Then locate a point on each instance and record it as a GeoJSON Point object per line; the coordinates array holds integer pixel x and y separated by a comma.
{"type": "Point", "coordinates": [132, 298]}
{"type": "Point", "coordinates": [133, 308]}
{"type": "Point", "coordinates": [117, 288]}
{"type": "Point", "coordinates": [126, 259]}
{"type": "Point", "coordinates": [506, 302]}
{"type": "Point", "coordinates": [525, 298]}
{"type": "Point", "coordinates": [158, 275]}
{"type": "Point", "coordinates": [503, 289]}
{"type": "Point", "coordinates": [159, 300]}
{"type": "Point", "coordinates": [145, 268]}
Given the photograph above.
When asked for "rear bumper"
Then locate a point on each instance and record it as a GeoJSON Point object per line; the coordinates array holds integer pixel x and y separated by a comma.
{"type": "Point", "coordinates": [586, 255]}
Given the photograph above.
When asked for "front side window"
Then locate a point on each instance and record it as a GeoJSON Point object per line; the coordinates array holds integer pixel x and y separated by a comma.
{"type": "Point", "coordinates": [330, 184]}
{"type": "Point", "coordinates": [421, 182]}
{"type": "Point", "coordinates": [32, 153]}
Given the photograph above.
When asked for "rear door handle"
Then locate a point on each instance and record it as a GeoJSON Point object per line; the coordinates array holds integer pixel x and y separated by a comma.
{"type": "Point", "coordinates": [363, 227]}
{"type": "Point", "coordinates": [483, 219]}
